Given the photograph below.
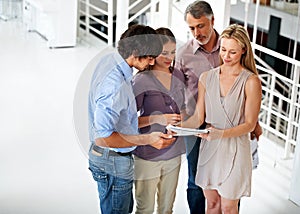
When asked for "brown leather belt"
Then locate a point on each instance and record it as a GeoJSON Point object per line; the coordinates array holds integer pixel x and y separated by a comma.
{"type": "Point", "coordinates": [111, 152]}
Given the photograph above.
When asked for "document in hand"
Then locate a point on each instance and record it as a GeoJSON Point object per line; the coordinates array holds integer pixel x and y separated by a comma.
{"type": "Point", "coordinates": [185, 131]}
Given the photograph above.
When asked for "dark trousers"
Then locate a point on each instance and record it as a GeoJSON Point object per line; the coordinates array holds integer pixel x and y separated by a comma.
{"type": "Point", "coordinates": [195, 196]}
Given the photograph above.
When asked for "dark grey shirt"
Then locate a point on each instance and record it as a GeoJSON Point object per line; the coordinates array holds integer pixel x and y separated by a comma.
{"type": "Point", "coordinates": [153, 98]}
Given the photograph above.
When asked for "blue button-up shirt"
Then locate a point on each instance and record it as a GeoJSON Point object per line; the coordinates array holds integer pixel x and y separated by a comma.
{"type": "Point", "coordinates": [112, 106]}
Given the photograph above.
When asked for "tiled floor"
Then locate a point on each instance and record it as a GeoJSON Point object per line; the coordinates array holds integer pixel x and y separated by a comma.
{"type": "Point", "coordinates": [43, 167]}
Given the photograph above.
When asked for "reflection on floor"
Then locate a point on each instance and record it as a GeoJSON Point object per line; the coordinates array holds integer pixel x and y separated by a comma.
{"type": "Point", "coordinates": [43, 168]}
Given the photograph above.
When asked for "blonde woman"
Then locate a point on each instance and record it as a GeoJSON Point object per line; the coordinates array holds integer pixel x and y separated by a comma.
{"type": "Point", "coordinates": [229, 100]}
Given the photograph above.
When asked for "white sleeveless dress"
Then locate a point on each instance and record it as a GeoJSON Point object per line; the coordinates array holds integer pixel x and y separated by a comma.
{"type": "Point", "coordinates": [225, 164]}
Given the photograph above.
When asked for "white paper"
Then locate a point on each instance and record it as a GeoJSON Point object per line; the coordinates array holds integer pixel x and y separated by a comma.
{"type": "Point", "coordinates": [185, 131]}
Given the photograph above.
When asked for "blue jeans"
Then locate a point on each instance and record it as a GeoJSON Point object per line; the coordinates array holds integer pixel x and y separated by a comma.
{"type": "Point", "coordinates": [195, 196]}
{"type": "Point", "coordinates": [114, 177]}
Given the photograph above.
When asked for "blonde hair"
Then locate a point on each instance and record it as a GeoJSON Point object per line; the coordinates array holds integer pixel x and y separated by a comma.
{"type": "Point", "coordinates": [239, 33]}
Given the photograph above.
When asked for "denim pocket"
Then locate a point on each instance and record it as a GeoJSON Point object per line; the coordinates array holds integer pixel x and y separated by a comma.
{"type": "Point", "coordinates": [101, 177]}
{"type": "Point", "coordinates": [122, 196]}
{"type": "Point", "coordinates": [98, 173]}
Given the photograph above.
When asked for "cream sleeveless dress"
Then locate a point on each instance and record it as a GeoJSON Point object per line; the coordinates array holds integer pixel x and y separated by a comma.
{"type": "Point", "coordinates": [225, 164]}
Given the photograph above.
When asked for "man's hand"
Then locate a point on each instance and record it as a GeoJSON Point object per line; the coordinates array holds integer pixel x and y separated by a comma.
{"type": "Point", "coordinates": [256, 132]}
{"type": "Point", "coordinates": [161, 140]}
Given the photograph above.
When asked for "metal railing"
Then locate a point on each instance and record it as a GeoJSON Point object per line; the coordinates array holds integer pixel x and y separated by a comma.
{"type": "Point", "coordinates": [96, 17]}
{"type": "Point", "coordinates": [280, 107]}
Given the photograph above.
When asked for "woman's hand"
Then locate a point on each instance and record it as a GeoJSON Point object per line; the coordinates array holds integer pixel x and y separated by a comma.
{"type": "Point", "coordinates": [213, 134]}
{"type": "Point", "coordinates": [166, 119]}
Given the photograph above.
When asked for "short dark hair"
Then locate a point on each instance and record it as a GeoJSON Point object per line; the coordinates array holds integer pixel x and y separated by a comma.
{"type": "Point", "coordinates": [140, 41]}
{"type": "Point", "coordinates": [198, 9]}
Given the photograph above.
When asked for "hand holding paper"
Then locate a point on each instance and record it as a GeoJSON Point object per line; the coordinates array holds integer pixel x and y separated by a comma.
{"type": "Point", "coordinates": [179, 131]}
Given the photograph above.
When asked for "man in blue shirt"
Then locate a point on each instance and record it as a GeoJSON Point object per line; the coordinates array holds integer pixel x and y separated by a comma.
{"type": "Point", "coordinates": [113, 120]}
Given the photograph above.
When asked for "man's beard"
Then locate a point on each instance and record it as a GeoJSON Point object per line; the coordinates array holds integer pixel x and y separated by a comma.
{"type": "Point", "coordinates": [206, 39]}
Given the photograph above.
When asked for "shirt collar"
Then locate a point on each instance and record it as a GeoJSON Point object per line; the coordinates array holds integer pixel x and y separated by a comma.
{"type": "Point", "coordinates": [127, 72]}
{"type": "Point", "coordinates": [124, 68]}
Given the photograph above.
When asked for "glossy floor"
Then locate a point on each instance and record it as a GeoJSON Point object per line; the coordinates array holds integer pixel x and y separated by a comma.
{"type": "Point", "coordinates": [43, 165]}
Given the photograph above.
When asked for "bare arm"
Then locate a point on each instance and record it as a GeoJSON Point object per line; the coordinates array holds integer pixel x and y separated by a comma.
{"type": "Point", "coordinates": [117, 140]}
{"type": "Point", "coordinates": [198, 117]}
{"type": "Point", "coordinates": [162, 119]}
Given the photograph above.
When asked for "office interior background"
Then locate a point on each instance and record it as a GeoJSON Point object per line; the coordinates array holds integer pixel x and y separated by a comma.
{"type": "Point", "coordinates": [48, 50]}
